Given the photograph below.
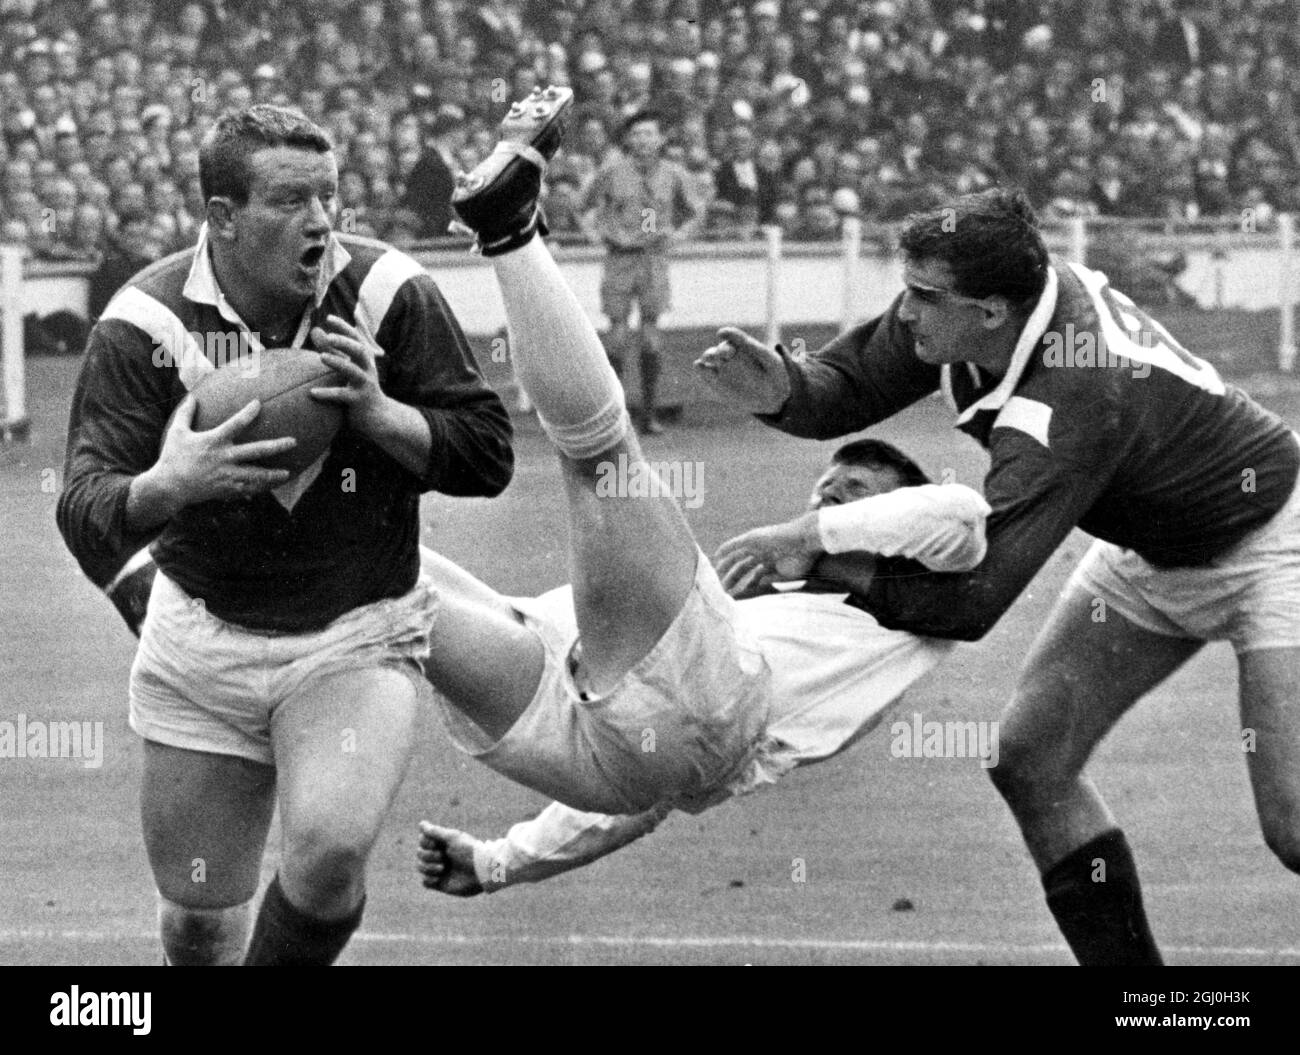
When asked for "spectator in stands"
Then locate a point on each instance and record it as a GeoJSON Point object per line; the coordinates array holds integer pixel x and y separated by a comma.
{"type": "Point", "coordinates": [84, 239]}
{"type": "Point", "coordinates": [1071, 196]}
{"type": "Point", "coordinates": [1186, 38]}
{"type": "Point", "coordinates": [634, 90]}
{"type": "Point", "coordinates": [740, 181]}
{"type": "Point", "coordinates": [563, 206]}
{"type": "Point", "coordinates": [590, 148]}
{"type": "Point", "coordinates": [430, 183]}
{"type": "Point", "coordinates": [120, 94]}
{"type": "Point", "coordinates": [818, 220]}
{"type": "Point", "coordinates": [1110, 192]}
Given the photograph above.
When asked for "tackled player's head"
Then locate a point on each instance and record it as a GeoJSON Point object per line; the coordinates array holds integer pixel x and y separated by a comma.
{"type": "Point", "coordinates": [270, 182]}
{"type": "Point", "coordinates": [973, 271]}
{"type": "Point", "coordinates": [864, 468]}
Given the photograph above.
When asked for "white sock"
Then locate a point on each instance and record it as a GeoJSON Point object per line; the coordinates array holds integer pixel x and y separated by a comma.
{"type": "Point", "coordinates": [557, 355]}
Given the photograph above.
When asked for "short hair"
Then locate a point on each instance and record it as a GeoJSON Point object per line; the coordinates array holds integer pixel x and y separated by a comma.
{"type": "Point", "coordinates": [640, 117]}
{"type": "Point", "coordinates": [877, 454]}
{"type": "Point", "coordinates": [224, 168]}
{"type": "Point", "coordinates": [989, 239]}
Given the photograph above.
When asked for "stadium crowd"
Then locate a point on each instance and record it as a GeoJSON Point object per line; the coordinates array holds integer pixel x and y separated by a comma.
{"type": "Point", "coordinates": [797, 112]}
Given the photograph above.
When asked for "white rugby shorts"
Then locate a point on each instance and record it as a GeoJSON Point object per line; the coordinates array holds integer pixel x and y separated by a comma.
{"type": "Point", "coordinates": [679, 728]}
{"type": "Point", "coordinates": [1249, 595]}
{"type": "Point", "coordinates": [203, 684]}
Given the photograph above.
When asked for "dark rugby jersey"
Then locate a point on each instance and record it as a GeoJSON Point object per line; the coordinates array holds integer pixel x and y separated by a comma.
{"type": "Point", "coordinates": [1149, 450]}
{"type": "Point", "coordinates": [351, 537]}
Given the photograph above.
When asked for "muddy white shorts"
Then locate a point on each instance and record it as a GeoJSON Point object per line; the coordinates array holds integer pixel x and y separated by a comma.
{"type": "Point", "coordinates": [679, 727]}
{"type": "Point", "coordinates": [1249, 595]}
{"type": "Point", "coordinates": [203, 684]}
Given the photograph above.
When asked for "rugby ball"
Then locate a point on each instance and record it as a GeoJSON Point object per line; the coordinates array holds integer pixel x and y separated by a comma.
{"type": "Point", "coordinates": [282, 379]}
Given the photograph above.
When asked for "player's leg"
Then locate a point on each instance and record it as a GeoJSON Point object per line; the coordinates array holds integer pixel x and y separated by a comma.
{"type": "Point", "coordinates": [1270, 719]}
{"type": "Point", "coordinates": [633, 556]}
{"type": "Point", "coordinates": [1081, 676]}
{"type": "Point", "coordinates": [341, 747]}
{"type": "Point", "coordinates": [481, 656]}
{"type": "Point", "coordinates": [205, 819]}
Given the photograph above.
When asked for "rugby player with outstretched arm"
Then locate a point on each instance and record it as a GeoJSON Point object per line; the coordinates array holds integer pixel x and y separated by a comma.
{"type": "Point", "coordinates": [1095, 417]}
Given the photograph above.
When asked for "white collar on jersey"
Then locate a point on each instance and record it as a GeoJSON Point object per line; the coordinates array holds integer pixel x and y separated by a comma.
{"type": "Point", "coordinates": [201, 285]}
{"type": "Point", "coordinates": [1035, 327]}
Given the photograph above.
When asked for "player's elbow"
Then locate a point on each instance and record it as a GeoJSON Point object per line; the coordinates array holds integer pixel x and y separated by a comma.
{"type": "Point", "coordinates": [963, 556]}
{"type": "Point", "coordinates": [496, 478]}
{"type": "Point", "coordinates": [968, 543]}
{"type": "Point", "coordinates": [68, 517]}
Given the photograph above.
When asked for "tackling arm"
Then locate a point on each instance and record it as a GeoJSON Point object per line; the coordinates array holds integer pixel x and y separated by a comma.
{"type": "Point", "coordinates": [862, 377]}
{"type": "Point", "coordinates": [940, 526]}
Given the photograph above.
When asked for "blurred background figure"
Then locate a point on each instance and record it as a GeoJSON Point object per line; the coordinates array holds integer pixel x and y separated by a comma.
{"type": "Point", "coordinates": [639, 206]}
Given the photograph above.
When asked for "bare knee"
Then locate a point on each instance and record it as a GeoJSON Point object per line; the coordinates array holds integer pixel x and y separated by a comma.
{"type": "Point", "coordinates": [1020, 768]}
{"type": "Point", "coordinates": [203, 937]}
{"type": "Point", "coordinates": [1034, 760]}
{"type": "Point", "coordinates": [324, 864]}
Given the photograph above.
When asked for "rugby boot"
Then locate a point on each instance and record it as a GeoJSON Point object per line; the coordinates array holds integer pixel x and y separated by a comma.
{"type": "Point", "coordinates": [497, 200]}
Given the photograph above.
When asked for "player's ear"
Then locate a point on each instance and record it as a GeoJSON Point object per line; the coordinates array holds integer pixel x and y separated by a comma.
{"type": "Point", "coordinates": [221, 217]}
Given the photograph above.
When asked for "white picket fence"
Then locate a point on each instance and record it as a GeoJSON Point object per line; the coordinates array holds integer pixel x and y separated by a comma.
{"type": "Point", "coordinates": [766, 285]}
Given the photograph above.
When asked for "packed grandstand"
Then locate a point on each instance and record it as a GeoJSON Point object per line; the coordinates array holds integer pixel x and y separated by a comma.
{"type": "Point", "coordinates": [792, 113]}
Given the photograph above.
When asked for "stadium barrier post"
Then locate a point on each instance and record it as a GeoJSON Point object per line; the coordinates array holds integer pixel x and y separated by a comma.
{"type": "Point", "coordinates": [1078, 240]}
{"type": "Point", "coordinates": [851, 241]}
{"type": "Point", "coordinates": [14, 424]}
{"type": "Point", "coordinates": [772, 235]}
{"type": "Point", "coordinates": [1286, 293]}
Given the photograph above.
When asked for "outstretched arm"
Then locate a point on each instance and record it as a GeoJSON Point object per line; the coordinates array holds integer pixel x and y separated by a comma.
{"type": "Point", "coordinates": [556, 840]}
{"type": "Point", "coordinates": [863, 376]}
{"type": "Point", "coordinates": [939, 525]}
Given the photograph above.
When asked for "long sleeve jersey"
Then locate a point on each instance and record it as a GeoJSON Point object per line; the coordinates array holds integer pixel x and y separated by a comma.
{"type": "Point", "coordinates": [1103, 422]}
{"type": "Point", "coordinates": [351, 536]}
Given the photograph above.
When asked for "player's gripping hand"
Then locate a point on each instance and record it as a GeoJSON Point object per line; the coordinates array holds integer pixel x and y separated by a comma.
{"type": "Point", "coordinates": [745, 582]}
{"type": "Point", "coordinates": [739, 369]}
{"type": "Point", "coordinates": [446, 860]}
{"type": "Point", "coordinates": [352, 355]}
{"type": "Point", "coordinates": [748, 564]}
{"type": "Point", "coordinates": [202, 466]}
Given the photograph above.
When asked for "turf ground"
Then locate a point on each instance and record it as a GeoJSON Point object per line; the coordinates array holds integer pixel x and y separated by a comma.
{"type": "Point", "coordinates": [904, 861]}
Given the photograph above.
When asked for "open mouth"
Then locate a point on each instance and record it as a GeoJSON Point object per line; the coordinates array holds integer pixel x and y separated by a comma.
{"type": "Point", "coordinates": [311, 257]}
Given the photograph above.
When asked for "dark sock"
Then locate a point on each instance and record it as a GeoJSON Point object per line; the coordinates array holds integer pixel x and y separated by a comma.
{"type": "Point", "coordinates": [285, 936]}
{"type": "Point", "coordinates": [1102, 918]}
